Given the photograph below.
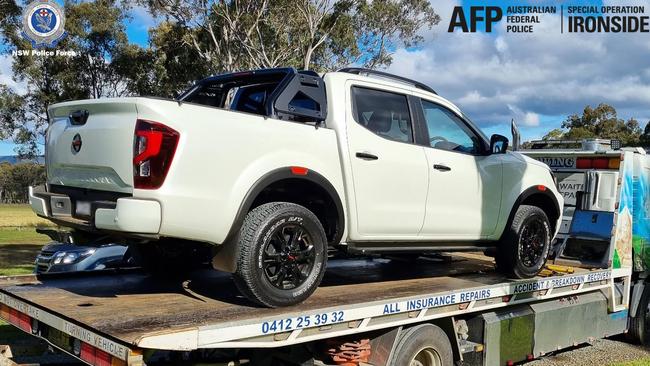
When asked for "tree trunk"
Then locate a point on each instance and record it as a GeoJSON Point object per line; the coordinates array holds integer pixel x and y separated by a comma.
{"type": "Point", "coordinates": [307, 60]}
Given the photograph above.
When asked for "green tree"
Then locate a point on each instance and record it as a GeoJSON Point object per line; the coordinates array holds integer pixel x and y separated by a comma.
{"type": "Point", "coordinates": [164, 69]}
{"type": "Point", "coordinates": [96, 32]}
{"type": "Point", "coordinates": [554, 134]}
{"type": "Point", "coordinates": [309, 34]}
{"type": "Point", "coordinates": [600, 122]}
{"type": "Point", "coordinates": [15, 180]}
{"type": "Point", "coordinates": [644, 140]}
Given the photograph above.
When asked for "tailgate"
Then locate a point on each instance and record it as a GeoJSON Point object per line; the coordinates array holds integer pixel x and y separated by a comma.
{"type": "Point", "coordinates": [94, 152]}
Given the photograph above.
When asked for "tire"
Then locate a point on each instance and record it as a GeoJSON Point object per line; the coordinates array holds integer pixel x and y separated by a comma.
{"type": "Point", "coordinates": [274, 268]}
{"type": "Point", "coordinates": [639, 330]}
{"type": "Point", "coordinates": [525, 245]}
{"type": "Point", "coordinates": [423, 345]}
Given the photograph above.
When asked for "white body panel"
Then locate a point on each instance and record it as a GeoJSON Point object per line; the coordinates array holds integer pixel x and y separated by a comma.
{"type": "Point", "coordinates": [463, 202]}
{"type": "Point", "coordinates": [104, 161]}
{"type": "Point", "coordinates": [220, 156]}
{"type": "Point", "coordinates": [390, 192]}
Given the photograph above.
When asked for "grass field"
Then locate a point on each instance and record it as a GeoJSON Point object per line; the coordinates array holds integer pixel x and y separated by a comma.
{"type": "Point", "coordinates": [20, 216]}
{"type": "Point", "coordinates": [19, 241]}
{"type": "Point", "coordinates": [19, 244]}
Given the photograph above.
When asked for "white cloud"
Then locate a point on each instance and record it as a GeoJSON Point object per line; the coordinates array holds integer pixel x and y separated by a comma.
{"type": "Point", "coordinates": [531, 119]}
{"type": "Point", "coordinates": [6, 75]}
{"type": "Point", "coordinates": [495, 77]}
{"type": "Point", "coordinates": [142, 18]}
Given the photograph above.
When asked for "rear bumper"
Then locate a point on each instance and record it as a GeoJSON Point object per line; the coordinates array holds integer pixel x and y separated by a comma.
{"type": "Point", "coordinates": [125, 215]}
{"type": "Point", "coordinates": [130, 215]}
{"type": "Point", "coordinates": [38, 203]}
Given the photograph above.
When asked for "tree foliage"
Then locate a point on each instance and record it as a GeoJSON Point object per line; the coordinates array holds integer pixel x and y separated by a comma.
{"type": "Point", "coordinates": [600, 122]}
{"type": "Point", "coordinates": [96, 32]}
{"type": "Point", "coordinates": [15, 180]}
{"type": "Point", "coordinates": [644, 139]}
{"type": "Point", "coordinates": [308, 34]}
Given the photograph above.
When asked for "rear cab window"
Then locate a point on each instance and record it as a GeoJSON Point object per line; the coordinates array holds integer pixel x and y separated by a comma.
{"type": "Point", "coordinates": [384, 113]}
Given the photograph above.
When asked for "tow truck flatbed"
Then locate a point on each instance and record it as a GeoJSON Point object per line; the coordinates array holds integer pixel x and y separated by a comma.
{"type": "Point", "coordinates": [122, 312]}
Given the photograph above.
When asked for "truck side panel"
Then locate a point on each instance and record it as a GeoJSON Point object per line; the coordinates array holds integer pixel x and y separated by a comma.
{"type": "Point", "coordinates": [206, 182]}
{"type": "Point", "coordinates": [641, 213]}
{"type": "Point", "coordinates": [622, 238]}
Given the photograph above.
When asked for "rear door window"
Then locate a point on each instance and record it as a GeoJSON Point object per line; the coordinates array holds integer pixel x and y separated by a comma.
{"type": "Point", "coordinates": [384, 113]}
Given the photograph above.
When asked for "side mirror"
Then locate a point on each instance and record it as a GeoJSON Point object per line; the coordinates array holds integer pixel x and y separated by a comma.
{"type": "Point", "coordinates": [498, 144]}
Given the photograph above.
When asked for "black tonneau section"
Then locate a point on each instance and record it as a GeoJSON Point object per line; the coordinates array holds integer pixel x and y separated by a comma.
{"type": "Point", "coordinates": [282, 93]}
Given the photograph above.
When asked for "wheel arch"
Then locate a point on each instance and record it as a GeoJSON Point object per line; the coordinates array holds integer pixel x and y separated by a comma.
{"type": "Point", "coordinates": [288, 184]}
{"type": "Point", "coordinates": [539, 196]}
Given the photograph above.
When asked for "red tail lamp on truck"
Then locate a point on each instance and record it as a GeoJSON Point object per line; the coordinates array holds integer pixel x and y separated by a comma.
{"type": "Point", "coordinates": [153, 152]}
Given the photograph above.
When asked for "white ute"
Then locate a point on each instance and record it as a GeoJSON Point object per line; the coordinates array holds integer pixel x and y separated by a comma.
{"type": "Point", "coordinates": [268, 170]}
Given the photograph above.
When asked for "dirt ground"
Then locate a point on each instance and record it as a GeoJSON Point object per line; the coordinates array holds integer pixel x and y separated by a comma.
{"type": "Point", "coordinates": [603, 352]}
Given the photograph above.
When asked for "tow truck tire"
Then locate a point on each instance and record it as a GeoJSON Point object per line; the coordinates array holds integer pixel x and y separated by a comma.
{"type": "Point", "coordinates": [639, 330]}
{"type": "Point", "coordinates": [282, 254]}
{"type": "Point", "coordinates": [525, 244]}
{"type": "Point", "coordinates": [423, 345]}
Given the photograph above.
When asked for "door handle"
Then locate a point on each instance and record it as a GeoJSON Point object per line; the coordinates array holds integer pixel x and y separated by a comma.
{"type": "Point", "coordinates": [442, 168]}
{"type": "Point", "coordinates": [367, 156]}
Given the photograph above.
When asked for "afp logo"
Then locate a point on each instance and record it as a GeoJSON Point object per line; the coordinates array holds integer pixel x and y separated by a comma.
{"type": "Point", "coordinates": [43, 22]}
{"type": "Point", "coordinates": [477, 14]}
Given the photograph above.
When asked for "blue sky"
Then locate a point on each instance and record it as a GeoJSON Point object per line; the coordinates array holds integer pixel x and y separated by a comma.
{"type": "Point", "coordinates": [537, 79]}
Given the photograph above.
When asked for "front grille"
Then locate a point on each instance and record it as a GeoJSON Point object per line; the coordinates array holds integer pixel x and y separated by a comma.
{"type": "Point", "coordinates": [43, 261]}
{"type": "Point", "coordinates": [42, 268]}
{"type": "Point", "coordinates": [47, 253]}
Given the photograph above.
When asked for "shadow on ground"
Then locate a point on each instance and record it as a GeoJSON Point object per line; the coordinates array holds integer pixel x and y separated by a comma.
{"type": "Point", "coordinates": [18, 258]}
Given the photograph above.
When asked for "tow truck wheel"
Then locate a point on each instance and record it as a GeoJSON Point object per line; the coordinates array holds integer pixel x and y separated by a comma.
{"type": "Point", "coordinates": [639, 330]}
{"type": "Point", "coordinates": [282, 254]}
{"type": "Point", "coordinates": [525, 245]}
{"type": "Point", "coordinates": [423, 345]}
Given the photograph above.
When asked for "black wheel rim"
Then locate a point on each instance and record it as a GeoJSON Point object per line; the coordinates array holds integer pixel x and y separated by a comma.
{"type": "Point", "coordinates": [532, 241]}
{"type": "Point", "coordinates": [288, 257]}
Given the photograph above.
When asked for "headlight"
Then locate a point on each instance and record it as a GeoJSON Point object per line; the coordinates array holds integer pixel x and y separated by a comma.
{"type": "Point", "coordinates": [71, 257]}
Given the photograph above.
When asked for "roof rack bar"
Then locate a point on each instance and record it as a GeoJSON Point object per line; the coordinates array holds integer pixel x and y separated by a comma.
{"type": "Point", "coordinates": [360, 71]}
{"type": "Point", "coordinates": [588, 144]}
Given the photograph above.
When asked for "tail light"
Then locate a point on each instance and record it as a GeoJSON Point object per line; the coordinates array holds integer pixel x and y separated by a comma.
{"type": "Point", "coordinates": [598, 163]}
{"type": "Point", "coordinates": [153, 151]}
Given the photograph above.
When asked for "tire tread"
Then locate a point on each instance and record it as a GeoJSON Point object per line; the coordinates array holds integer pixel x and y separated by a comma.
{"type": "Point", "coordinates": [506, 257]}
{"type": "Point", "coordinates": [244, 278]}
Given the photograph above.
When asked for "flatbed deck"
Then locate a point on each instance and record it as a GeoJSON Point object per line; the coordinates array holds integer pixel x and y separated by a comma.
{"type": "Point", "coordinates": [125, 310]}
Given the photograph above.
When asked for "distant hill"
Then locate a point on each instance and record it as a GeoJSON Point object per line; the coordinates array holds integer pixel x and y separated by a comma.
{"type": "Point", "coordinates": [13, 159]}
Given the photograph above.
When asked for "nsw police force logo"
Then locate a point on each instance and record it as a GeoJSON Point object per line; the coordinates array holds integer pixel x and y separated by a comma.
{"type": "Point", "coordinates": [43, 22]}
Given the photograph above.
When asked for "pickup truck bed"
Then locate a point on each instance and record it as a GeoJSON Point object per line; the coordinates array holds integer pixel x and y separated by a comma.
{"type": "Point", "coordinates": [128, 310]}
